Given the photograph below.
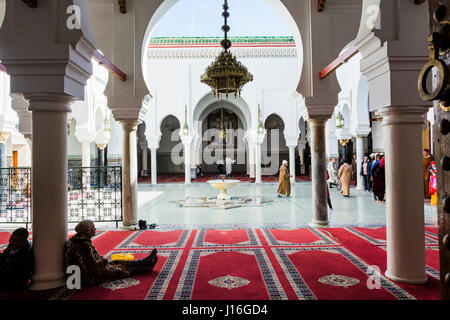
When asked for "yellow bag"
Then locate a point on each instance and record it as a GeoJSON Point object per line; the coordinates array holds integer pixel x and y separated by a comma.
{"type": "Point", "coordinates": [122, 256]}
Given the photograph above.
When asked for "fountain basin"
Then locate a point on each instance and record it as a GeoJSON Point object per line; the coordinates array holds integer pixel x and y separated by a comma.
{"type": "Point", "coordinates": [223, 186]}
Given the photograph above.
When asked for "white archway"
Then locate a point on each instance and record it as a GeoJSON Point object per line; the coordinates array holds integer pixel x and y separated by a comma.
{"type": "Point", "coordinates": [276, 4]}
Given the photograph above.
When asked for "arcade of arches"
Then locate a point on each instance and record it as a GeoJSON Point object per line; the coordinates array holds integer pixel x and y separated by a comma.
{"type": "Point", "coordinates": [148, 113]}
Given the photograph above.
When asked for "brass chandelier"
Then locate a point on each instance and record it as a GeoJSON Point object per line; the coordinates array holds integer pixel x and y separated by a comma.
{"type": "Point", "coordinates": [226, 75]}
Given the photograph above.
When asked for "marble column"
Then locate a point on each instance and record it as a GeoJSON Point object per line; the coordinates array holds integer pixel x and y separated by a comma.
{"type": "Point", "coordinates": [318, 171]}
{"type": "Point", "coordinates": [145, 161]}
{"type": "Point", "coordinates": [101, 164]}
{"type": "Point", "coordinates": [86, 153]}
{"type": "Point", "coordinates": [154, 174]}
{"type": "Point", "coordinates": [359, 160]}
{"type": "Point", "coordinates": [251, 158]}
{"type": "Point", "coordinates": [29, 140]}
{"type": "Point", "coordinates": [129, 174]}
{"type": "Point", "coordinates": [405, 235]}
{"type": "Point", "coordinates": [292, 163]}
{"type": "Point", "coordinates": [187, 163]}
{"type": "Point", "coordinates": [258, 170]}
{"type": "Point", "coordinates": [49, 187]}
{"type": "Point", "coordinates": [301, 154]}
{"type": "Point", "coordinates": [3, 137]}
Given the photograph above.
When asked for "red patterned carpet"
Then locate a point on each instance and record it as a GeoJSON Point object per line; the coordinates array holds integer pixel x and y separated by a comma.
{"type": "Point", "coordinates": [258, 264]}
{"type": "Point", "coordinates": [179, 178]}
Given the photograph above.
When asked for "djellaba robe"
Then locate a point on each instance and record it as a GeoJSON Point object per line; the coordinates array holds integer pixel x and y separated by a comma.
{"type": "Point", "coordinates": [95, 269]}
{"type": "Point", "coordinates": [426, 175]}
{"type": "Point", "coordinates": [284, 182]}
{"type": "Point", "coordinates": [345, 174]}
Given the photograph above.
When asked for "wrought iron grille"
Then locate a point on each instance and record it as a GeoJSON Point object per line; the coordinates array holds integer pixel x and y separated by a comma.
{"type": "Point", "coordinates": [15, 195]}
{"type": "Point", "coordinates": [93, 193]}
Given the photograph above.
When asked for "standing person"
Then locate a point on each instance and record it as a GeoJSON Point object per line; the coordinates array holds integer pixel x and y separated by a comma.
{"type": "Point", "coordinates": [427, 158]}
{"type": "Point", "coordinates": [365, 173]}
{"type": "Point", "coordinates": [373, 160]}
{"type": "Point", "coordinates": [228, 166]}
{"type": "Point", "coordinates": [284, 181]}
{"type": "Point", "coordinates": [379, 184]}
{"type": "Point", "coordinates": [220, 166]}
{"type": "Point", "coordinates": [354, 168]}
{"type": "Point", "coordinates": [345, 175]}
{"type": "Point", "coordinates": [328, 195]}
{"type": "Point", "coordinates": [332, 173]}
{"type": "Point", "coordinates": [16, 262]}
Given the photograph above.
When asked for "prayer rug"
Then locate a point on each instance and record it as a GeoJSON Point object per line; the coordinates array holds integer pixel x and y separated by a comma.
{"type": "Point", "coordinates": [258, 264]}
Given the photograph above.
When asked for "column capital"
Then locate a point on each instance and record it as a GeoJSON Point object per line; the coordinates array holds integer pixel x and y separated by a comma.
{"type": "Point", "coordinates": [318, 121]}
{"type": "Point", "coordinates": [49, 102]}
{"type": "Point", "coordinates": [129, 125]}
{"type": "Point", "coordinates": [403, 114]}
{"type": "Point", "coordinates": [4, 136]}
{"type": "Point", "coordinates": [101, 146]}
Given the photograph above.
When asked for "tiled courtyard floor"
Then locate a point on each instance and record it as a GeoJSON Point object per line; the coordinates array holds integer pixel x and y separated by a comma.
{"type": "Point", "coordinates": [155, 206]}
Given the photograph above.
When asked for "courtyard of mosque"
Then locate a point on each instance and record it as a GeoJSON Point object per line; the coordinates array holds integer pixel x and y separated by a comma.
{"type": "Point", "coordinates": [157, 204]}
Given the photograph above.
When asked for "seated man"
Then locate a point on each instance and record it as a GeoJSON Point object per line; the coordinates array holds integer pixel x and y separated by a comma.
{"type": "Point", "coordinates": [16, 262]}
{"type": "Point", "coordinates": [96, 269]}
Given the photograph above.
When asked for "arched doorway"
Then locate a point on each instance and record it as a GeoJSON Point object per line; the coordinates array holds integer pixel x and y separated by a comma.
{"type": "Point", "coordinates": [212, 146]}
{"type": "Point", "coordinates": [273, 149]}
{"type": "Point", "coordinates": [170, 152]}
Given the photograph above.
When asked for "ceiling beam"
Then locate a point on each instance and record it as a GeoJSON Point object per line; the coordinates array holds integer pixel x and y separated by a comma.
{"type": "Point", "coordinates": [321, 5]}
{"type": "Point", "coordinates": [31, 3]}
{"type": "Point", "coordinates": [123, 6]}
{"type": "Point", "coordinates": [105, 62]}
{"type": "Point", "coordinates": [339, 61]}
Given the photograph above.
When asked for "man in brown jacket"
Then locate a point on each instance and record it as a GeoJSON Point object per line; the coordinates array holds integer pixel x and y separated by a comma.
{"type": "Point", "coordinates": [284, 181]}
{"type": "Point", "coordinates": [345, 174]}
{"type": "Point", "coordinates": [96, 269]}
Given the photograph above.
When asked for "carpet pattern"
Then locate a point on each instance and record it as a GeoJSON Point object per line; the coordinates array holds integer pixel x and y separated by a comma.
{"type": "Point", "coordinates": [260, 264]}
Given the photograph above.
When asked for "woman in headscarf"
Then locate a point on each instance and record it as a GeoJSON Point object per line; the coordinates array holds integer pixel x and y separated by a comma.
{"type": "Point", "coordinates": [345, 175]}
{"type": "Point", "coordinates": [379, 186]}
{"type": "Point", "coordinates": [96, 269]}
{"type": "Point", "coordinates": [284, 181]}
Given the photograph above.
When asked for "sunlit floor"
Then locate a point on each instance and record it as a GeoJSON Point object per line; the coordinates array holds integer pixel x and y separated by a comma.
{"type": "Point", "coordinates": [155, 206]}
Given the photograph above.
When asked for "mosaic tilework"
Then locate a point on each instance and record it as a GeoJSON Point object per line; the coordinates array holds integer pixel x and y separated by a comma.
{"type": "Point", "coordinates": [360, 209]}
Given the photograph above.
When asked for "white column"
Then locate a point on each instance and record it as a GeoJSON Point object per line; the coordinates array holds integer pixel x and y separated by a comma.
{"type": "Point", "coordinates": [359, 160]}
{"type": "Point", "coordinates": [258, 178]}
{"type": "Point", "coordinates": [129, 174]}
{"type": "Point", "coordinates": [49, 188]}
{"type": "Point", "coordinates": [187, 163]}
{"type": "Point", "coordinates": [318, 172]}
{"type": "Point", "coordinates": [85, 154]}
{"type": "Point", "coordinates": [144, 160]}
{"type": "Point", "coordinates": [402, 131]}
{"type": "Point", "coordinates": [251, 158]}
{"type": "Point", "coordinates": [153, 173]}
{"type": "Point", "coordinates": [292, 163]}
{"type": "Point", "coordinates": [3, 137]}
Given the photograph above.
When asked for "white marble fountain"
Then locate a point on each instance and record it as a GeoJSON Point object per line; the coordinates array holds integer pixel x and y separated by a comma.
{"type": "Point", "coordinates": [223, 185]}
{"type": "Point", "coordinates": [223, 199]}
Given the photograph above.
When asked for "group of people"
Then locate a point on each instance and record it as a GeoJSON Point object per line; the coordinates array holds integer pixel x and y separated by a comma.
{"type": "Point", "coordinates": [372, 171]}
{"type": "Point", "coordinates": [17, 261]}
{"type": "Point", "coordinates": [225, 167]}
